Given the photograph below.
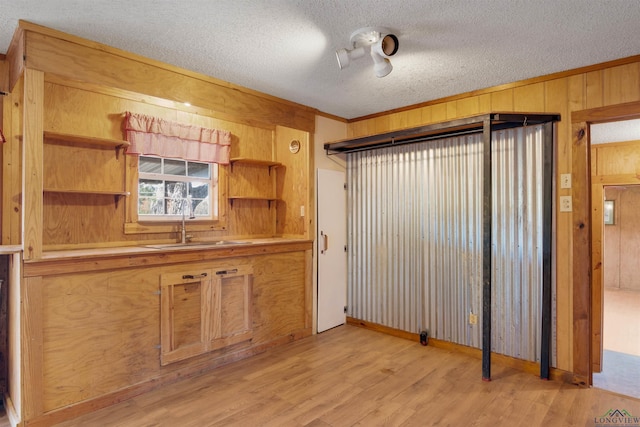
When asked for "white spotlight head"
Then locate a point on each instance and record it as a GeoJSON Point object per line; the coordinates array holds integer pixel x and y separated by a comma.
{"type": "Point", "coordinates": [381, 65]}
{"type": "Point", "coordinates": [345, 56]}
{"type": "Point", "coordinates": [386, 46]}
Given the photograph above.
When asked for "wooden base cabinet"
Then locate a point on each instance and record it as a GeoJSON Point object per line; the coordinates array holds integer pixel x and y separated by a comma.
{"type": "Point", "coordinates": [98, 329]}
{"type": "Point", "coordinates": [204, 310]}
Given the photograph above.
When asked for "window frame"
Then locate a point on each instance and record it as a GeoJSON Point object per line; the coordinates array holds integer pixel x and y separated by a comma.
{"type": "Point", "coordinates": [211, 181]}
{"type": "Point", "coordinates": [134, 224]}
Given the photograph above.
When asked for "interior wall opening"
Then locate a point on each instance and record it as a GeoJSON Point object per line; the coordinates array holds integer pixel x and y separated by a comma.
{"type": "Point", "coordinates": [618, 298]}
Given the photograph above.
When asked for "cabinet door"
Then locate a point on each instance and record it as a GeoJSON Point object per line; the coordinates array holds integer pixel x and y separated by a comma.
{"type": "Point", "coordinates": [235, 289]}
{"type": "Point", "coordinates": [204, 310]}
{"type": "Point", "coordinates": [188, 301]}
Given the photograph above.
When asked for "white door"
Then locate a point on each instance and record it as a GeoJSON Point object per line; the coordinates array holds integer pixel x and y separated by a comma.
{"type": "Point", "coordinates": [332, 258]}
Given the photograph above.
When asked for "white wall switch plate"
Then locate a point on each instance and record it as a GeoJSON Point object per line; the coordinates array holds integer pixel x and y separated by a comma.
{"type": "Point", "coordinates": [302, 210]}
{"type": "Point", "coordinates": [565, 180]}
{"type": "Point", "coordinates": [565, 204]}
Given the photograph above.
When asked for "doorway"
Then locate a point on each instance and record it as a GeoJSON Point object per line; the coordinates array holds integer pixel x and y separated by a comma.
{"type": "Point", "coordinates": [620, 367]}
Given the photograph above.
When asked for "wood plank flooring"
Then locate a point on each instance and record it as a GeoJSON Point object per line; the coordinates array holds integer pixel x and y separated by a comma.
{"type": "Point", "coordinates": [350, 376]}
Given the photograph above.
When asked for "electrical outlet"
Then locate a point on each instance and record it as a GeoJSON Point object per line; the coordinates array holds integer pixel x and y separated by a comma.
{"type": "Point", "coordinates": [565, 204]}
{"type": "Point", "coordinates": [565, 180]}
{"type": "Point", "coordinates": [473, 319]}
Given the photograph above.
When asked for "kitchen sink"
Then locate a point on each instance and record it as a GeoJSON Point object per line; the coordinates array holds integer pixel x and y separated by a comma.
{"type": "Point", "coordinates": [199, 244]}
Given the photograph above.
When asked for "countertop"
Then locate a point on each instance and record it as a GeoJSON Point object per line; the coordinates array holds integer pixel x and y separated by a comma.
{"type": "Point", "coordinates": [92, 259]}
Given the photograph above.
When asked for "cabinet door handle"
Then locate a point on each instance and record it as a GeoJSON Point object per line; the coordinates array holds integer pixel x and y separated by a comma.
{"type": "Point", "coordinates": [221, 272]}
{"type": "Point", "coordinates": [325, 242]}
{"type": "Point", "coordinates": [191, 276]}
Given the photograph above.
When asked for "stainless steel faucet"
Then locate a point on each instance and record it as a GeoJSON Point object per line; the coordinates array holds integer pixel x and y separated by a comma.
{"type": "Point", "coordinates": [186, 204]}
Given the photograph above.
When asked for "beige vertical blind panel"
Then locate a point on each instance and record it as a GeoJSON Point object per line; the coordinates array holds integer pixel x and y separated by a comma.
{"type": "Point", "coordinates": [415, 239]}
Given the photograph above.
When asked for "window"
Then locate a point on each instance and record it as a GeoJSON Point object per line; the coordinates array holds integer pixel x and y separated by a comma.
{"type": "Point", "coordinates": [170, 188]}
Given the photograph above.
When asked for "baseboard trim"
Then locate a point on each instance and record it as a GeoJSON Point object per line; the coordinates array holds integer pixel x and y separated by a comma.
{"type": "Point", "coordinates": [512, 362]}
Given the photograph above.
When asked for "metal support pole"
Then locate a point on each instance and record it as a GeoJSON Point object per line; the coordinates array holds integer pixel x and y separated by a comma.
{"type": "Point", "coordinates": [547, 196]}
{"type": "Point", "coordinates": [486, 250]}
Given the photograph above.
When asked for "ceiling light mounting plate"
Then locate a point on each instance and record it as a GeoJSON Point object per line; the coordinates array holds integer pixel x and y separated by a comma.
{"type": "Point", "coordinates": [367, 35]}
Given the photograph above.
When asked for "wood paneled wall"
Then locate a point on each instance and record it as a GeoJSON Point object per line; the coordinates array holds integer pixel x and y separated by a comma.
{"type": "Point", "coordinates": [71, 108]}
{"type": "Point", "coordinates": [79, 87]}
{"type": "Point", "coordinates": [294, 184]}
{"type": "Point", "coordinates": [596, 86]}
{"type": "Point", "coordinates": [75, 58]}
{"type": "Point", "coordinates": [4, 74]}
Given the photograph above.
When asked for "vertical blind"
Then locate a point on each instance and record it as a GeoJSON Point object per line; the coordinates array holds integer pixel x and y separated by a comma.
{"type": "Point", "coordinates": [415, 239]}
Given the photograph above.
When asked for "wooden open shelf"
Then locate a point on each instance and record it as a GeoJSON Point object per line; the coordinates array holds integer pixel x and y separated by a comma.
{"type": "Point", "coordinates": [115, 194]}
{"type": "Point", "coordinates": [267, 199]}
{"type": "Point", "coordinates": [246, 161]}
{"type": "Point", "coordinates": [104, 143]}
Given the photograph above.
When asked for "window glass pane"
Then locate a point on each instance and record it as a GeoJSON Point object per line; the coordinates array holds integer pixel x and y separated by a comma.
{"type": "Point", "coordinates": [198, 190]}
{"type": "Point", "coordinates": [175, 206]}
{"type": "Point", "coordinates": [150, 165]}
{"type": "Point", "coordinates": [175, 190]}
{"type": "Point", "coordinates": [175, 167]}
{"type": "Point", "coordinates": [150, 206]}
{"type": "Point", "coordinates": [200, 207]}
{"type": "Point", "coordinates": [150, 188]}
{"type": "Point", "coordinates": [199, 170]}
{"type": "Point", "coordinates": [167, 187]}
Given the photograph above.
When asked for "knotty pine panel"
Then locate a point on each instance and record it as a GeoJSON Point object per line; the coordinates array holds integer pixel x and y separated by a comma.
{"type": "Point", "coordinates": [75, 58]}
{"type": "Point", "coordinates": [294, 182]}
{"type": "Point", "coordinates": [277, 284]}
{"type": "Point", "coordinates": [69, 166]}
{"type": "Point", "coordinates": [502, 100]}
{"type": "Point", "coordinates": [236, 305]}
{"type": "Point", "coordinates": [100, 332]}
{"type": "Point", "coordinates": [399, 120]}
{"type": "Point", "coordinates": [32, 163]}
{"type": "Point", "coordinates": [424, 116]}
{"type": "Point", "coordinates": [621, 84]}
{"type": "Point", "coordinates": [250, 180]}
{"type": "Point", "coordinates": [186, 316]}
{"type": "Point", "coordinates": [622, 158]}
{"type": "Point", "coordinates": [4, 75]}
{"type": "Point", "coordinates": [81, 219]}
{"type": "Point", "coordinates": [529, 98]}
{"type": "Point", "coordinates": [249, 218]}
{"type": "Point", "coordinates": [468, 106]}
{"type": "Point", "coordinates": [594, 90]}
{"type": "Point", "coordinates": [12, 166]}
{"type": "Point", "coordinates": [556, 100]}
{"type": "Point", "coordinates": [439, 112]}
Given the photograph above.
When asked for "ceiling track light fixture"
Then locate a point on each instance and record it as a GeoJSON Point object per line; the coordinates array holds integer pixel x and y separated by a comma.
{"type": "Point", "coordinates": [380, 43]}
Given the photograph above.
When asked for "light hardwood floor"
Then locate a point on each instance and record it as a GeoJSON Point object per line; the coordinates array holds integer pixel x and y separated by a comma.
{"type": "Point", "coordinates": [621, 340]}
{"type": "Point", "coordinates": [622, 321]}
{"type": "Point", "coordinates": [351, 376]}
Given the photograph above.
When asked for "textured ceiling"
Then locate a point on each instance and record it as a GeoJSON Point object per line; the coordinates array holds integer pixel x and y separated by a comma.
{"type": "Point", "coordinates": [286, 48]}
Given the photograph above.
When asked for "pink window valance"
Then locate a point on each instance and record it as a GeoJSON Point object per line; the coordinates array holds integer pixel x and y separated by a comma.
{"type": "Point", "coordinates": [154, 136]}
